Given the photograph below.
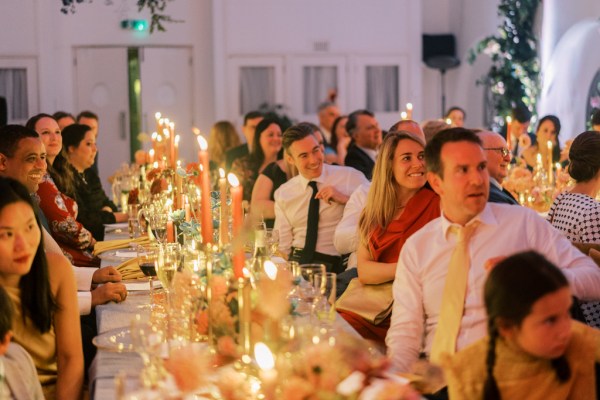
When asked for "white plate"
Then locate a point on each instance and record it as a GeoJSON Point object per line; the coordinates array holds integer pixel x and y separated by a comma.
{"type": "Point", "coordinates": [117, 340]}
{"type": "Point", "coordinates": [118, 255]}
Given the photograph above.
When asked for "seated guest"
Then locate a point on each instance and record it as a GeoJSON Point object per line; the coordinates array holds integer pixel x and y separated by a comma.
{"type": "Point", "coordinates": [63, 119]}
{"type": "Point", "coordinates": [398, 204]}
{"type": "Point", "coordinates": [340, 139]}
{"type": "Point", "coordinates": [251, 120]}
{"type": "Point", "coordinates": [437, 297]}
{"type": "Point", "coordinates": [575, 212]}
{"type": "Point", "coordinates": [42, 288]}
{"type": "Point", "coordinates": [266, 146]}
{"type": "Point", "coordinates": [327, 113]}
{"type": "Point", "coordinates": [310, 205]}
{"type": "Point", "coordinates": [366, 138]}
{"type": "Point", "coordinates": [95, 208]}
{"type": "Point", "coordinates": [346, 233]}
{"type": "Point", "coordinates": [547, 130]}
{"type": "Point", "coordinates": [432, 127]}
{"type": "Point", "coordinates": [457, 117]}
{"type": "Point", "coordinates": [533, 349]}
{"type": "Point", "coordinates": [90, 119]}
{"type": "Point", "coordinates": [518, 130]}
{"type": "Point", "coordinates": [222, 137]}
{"type": "Point", "coordinates": [59, 209]}
{"type": "Point", "coordinates": [18, 377]}
{"type": "Point", "coordinates": [498, 159]}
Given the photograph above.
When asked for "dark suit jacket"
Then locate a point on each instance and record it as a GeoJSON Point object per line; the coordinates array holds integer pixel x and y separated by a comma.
{"type": "Point", "coordinates": [358, 159]}
{"type": "Point", "coordinates": [234, 153]}
{"type": "Point", "coordinates": [501, 196]}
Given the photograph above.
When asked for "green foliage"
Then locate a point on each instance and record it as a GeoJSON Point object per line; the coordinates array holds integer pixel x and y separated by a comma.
{"type": "Point", "coordinates": [514, 75]}
{"type": "Point", "coordinates": [156, 8]}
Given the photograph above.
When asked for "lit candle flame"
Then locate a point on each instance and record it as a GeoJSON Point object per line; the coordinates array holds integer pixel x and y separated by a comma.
{"type": "Point", "coordinates": [508, 120]}
{"type": "Point", "coordinates": [270, 270]}
{"type": "Point", "coordinates": [549, 144]}
{"type": "Point", "coordinates": [246, 272]}
{"type": "Point", "coordinates": [233, 180]}
{"type": "Point", "coordinates": [195, 131]}
{"type": "Point", "coordinates": [448, 121]}
{"type": "Point", "coordinates": [264, 356]}
{"type": "Point", "coordinates": [151, 152]}
{"type": "Point", "coordinates": [157, 115]}
{"type": "Point", "coordinates": [172, 125]}
{"type": "Point", "coordinates": [221, 173]}
{"type": "Point", "coordinates": [154, 135]}
{"type": "Point", "coordinates": [161, 121]}
{"type": "Point", "coordinates": [166, 132]}
{"type": "Point", "coordinates": [155, 165]}
{"type": "Point", "coordinates": [159, 138]}
{"type": "Point", "coordinates": [178, 163]}
{"type": "Point", "coordinates": [409, 106]}
{"type": "Point", "coordinates": [177, 138]}
{"type": "Point", "coordinates": [403, 115]}
{"type": "Point", "coordinates": [202, 143]}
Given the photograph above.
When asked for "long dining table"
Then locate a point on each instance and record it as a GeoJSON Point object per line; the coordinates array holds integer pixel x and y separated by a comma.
{"type": "Point", "coordinates": [108, 364]}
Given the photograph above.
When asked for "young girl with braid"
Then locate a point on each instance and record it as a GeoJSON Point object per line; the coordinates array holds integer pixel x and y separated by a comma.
{"type": "Point", "coordinates": [534, 349]}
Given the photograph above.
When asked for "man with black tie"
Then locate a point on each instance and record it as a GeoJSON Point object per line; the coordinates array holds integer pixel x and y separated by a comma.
{"type": "Point", "coordinates": [366, 138]}
{"type": "Point", "coordinates": [498, 158]}
{"type": "Point", "coordinates": [309, 206]}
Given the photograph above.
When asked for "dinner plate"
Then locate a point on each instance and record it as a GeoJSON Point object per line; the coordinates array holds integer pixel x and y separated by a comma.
{"type": "Point", "coordinates": [116, 340]}
{"type": "Point", "coordinates": [121, 225]}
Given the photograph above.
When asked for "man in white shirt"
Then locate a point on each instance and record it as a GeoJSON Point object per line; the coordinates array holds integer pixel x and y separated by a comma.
{"type": "Point", "coordinates": [334, 184]}
{"type": "Point", "coordinates": [457, 171]}
{"type": "Point", "coordinates": [366, 138]}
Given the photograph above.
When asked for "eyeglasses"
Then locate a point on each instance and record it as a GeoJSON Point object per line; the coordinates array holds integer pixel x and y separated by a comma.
{"type": "Point", "coordinates": [505, 152]}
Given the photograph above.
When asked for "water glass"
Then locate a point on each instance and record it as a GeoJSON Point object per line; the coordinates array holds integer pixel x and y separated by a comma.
{"type": "Point", "coordinates": [272, 240]}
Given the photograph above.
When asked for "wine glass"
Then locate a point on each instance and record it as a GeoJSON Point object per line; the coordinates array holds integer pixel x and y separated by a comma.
{"type": "Point", "coordinates": [322, 307]}
{"type": "Point", "coordinates": [147, 341]}
{"type": "Point", "coordinates": [272, 240]}
{"type": "Point", "coordinates": [305, 290]}
{"type": "Point", "coordinates": [158, 224]}
{"type": "Point", "coordinates": [147, 257]}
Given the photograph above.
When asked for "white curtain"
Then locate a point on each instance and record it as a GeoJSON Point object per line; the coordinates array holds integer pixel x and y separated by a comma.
{"type": "Point", "coordinates": [317, 82]}
{"type": "Point", "coordinates": [13, 87]}
{"type": "Point", "coordinates": [383, 88]}
{"type": "Point", "coordinates": [257, 86]}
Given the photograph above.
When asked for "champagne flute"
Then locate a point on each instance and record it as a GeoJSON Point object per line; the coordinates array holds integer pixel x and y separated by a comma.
{"type": "Point", "coordinates": [158, 224]}
{"type": "Point", "coordinates": [322, 307]}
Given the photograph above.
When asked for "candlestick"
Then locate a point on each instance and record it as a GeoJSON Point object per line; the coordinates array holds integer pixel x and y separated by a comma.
{"type": "Point", "coordinates": [237, 216]}
{"type": "Point", "coordinates": [179, 184]}
{"type": "Point", "coordinates": [508, 134]}
{"type": "Point", "coordinates": [176, 149]}
{"type": "Point", "coordinates": [245, 313]}
{"type": "Point", "coordinates": [170, 232]}
{"type": "Point", "coordinates": [205, 210]}
{"type": "Point", "coordinates": [224, 217]}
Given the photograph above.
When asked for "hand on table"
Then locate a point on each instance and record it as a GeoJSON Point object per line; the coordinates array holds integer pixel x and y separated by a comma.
{"type": "Point", "coordinates": [116, 292]}
{"type": "Point", "coordinates": [106, 274]}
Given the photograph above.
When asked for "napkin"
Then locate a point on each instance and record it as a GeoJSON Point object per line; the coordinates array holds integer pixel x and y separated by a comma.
{"type": "Point", "coordinates": [106, 245]}
{"type": "Point", "coordinates": [130, 269]}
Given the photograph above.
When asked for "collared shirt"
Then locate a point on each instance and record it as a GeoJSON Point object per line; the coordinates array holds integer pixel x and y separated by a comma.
{"type": "Point", "coordinates": [423, 264]}
{"type": "Point", "coordinates": [346, 232]}
{"type": "Point", "coordinates": [291, 208]}
{"type": "Point", "coordinates": [370, 152]}
{"type": "Point", "coordinates": [495, 183]}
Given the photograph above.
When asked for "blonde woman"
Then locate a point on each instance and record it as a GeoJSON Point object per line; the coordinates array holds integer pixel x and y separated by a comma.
{"type": "Point", "coordinates": [398, 204]}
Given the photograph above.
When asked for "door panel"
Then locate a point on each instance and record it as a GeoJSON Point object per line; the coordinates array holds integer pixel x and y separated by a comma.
{"type": "Point", "coordinates": [101, 87]}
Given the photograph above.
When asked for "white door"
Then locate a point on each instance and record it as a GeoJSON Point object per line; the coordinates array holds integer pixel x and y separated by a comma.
{"type": "Point", "coordinates": [101, 86]}
{"type": "Point", "coordinates": [167, 87]}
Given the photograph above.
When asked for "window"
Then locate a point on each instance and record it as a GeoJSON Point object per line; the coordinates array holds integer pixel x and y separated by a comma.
{"type": "Point", "coordinates": [13, 87]}
{"type": "Point", "coordinates": [318, 81]}
{"type": "Point", "coordinates": [257, 86]}
{"type": "Point", "coordinates": [383, 88]}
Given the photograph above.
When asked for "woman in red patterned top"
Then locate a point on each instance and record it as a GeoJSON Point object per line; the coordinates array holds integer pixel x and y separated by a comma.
{"type": "Point", "coordinates": [76, 242]}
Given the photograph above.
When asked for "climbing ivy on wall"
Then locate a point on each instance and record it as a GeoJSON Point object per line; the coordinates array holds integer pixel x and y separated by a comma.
{"type": "Point", "coordinates": [156, 7]}
{"type": "Point", "coordinates": [514, 76]}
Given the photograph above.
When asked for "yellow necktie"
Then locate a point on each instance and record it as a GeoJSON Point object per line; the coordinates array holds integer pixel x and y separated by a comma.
{"type": "Point", "coordinates": [453, 298]}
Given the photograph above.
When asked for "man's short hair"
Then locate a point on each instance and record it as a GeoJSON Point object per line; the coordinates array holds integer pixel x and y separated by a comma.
{"type": "Point", "coordinates": [11, 135]}
{"type": "Point", "coordinates": [353, 119]}
{"type": "Point", "coordinates": [252, 115]}
{"type": "Point", "coordinates": [596, 117]}
{"type": "Point", "coordinates": [86, 114]}
{"type": "Point", "coordinates": [6, 313]}
{"type": "Point", "coordinates": [521, 113]}
{"type": "Point", "coordinates": [433, 149]}
{"type": "Point", "coordinates": [297, 132]}
{"type": "Point", "coordinates": [325, 105]}
{"type": "Point", "coordinates": [62, 114]}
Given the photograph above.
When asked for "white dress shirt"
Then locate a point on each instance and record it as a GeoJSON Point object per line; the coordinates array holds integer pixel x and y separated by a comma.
{"type": "Point", "coordinates": [291, 208]}
{"type": "Point", "coordinates": [423, 263]}
{"type": "Point", "coordinates": [346, 235]}
{"type": "Point", "coordinates": [83, 275]}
